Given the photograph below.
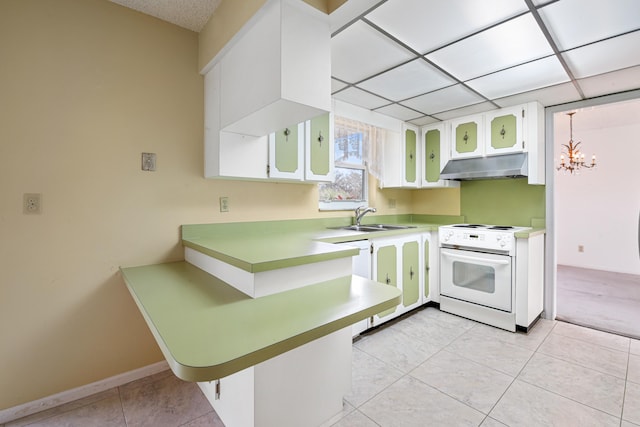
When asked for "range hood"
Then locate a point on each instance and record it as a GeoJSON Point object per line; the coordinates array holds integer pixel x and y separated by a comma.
{"type": "Point", "coordinates": [504, 166]}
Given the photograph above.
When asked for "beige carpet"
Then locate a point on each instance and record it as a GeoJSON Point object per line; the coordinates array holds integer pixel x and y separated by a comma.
{"type": "Point", "coordinates": [599, 299]}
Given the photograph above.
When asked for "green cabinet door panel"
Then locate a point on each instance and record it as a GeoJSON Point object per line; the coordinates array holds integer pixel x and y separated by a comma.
{"type": "Point", "coordinates": [287, 149]}
{"type": "Point", "coordinates": [410, 155]}
{"type": "Point", "coordinates": [386, 271]}
{"type": "Point", "coordinates": [467, 137]}
{"type": "Point", "coordinates": [503, 131]}
{"type": "Point", "coordinates": [320, 145]}
{"type": "Point", "coordinates": [432, 155]}
{"type": "Point", "coordinates": [426, 268]}
{"type": "Point", "coordinates": [410, 273]}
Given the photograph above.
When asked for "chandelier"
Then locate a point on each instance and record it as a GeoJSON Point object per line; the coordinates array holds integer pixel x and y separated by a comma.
{"type": "Point", "coordinates": [574, 157]}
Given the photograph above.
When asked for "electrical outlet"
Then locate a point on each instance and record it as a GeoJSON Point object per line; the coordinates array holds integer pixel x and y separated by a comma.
{"type": "Point", "coordinates": [149, 162]}
{"type": "Point", "coordinates": [224, 204]}
{"type": "Point", "coordinates": [392, 203]}
{"type": "Point", "coordinates": [32, 203]}
{"type": "Point", "coordinates": [580, 248]}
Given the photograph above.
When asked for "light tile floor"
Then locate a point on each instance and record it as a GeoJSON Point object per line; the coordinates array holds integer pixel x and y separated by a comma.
{"type": "Point", "coordinates": [428, 369]}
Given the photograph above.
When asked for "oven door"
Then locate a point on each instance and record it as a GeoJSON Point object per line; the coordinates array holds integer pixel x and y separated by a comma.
{"type": "Point", "coordinates": [476, 277]}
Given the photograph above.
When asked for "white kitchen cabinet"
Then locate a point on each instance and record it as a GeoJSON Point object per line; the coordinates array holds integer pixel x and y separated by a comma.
{"type": "Point", "coordinates": [504, 131]}
{"type": "Point", "coordinates": [529, 279]}
{"type": "Point", "coordinates": [410, 159]}
{"type": "Point", "coordinates": [319, 149]}
{"type": "Point", "coordinates": [286, 153]}
{"type": "Point", "coordinates": [277, 70]}
{"type": "Point", "coordinates": [229, 155]}
{"type": "Point", "coordinates": [435, 154]}
{"type": "Point", "coordinates": [467, 137]}
{"type": "Point", "coordinates": [396, 261]}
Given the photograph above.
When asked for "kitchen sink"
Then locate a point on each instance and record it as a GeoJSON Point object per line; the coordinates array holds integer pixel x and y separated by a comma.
{"type": "Point", "coordinates": [374, 227]}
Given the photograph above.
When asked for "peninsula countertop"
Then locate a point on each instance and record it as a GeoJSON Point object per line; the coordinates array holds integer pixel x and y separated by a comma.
{"type": "Point", "coordinates": [207, 329]}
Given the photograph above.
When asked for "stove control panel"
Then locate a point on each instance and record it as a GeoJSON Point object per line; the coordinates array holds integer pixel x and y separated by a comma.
{"type": "Point", "coordinates": [478, 238]}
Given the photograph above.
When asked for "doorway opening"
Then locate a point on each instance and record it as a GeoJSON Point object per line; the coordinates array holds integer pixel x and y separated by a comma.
{"type": "Point", "coordinates": [593, 218]}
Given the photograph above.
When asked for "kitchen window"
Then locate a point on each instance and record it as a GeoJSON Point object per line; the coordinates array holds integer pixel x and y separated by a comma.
{"type": "Point", "coordinates": [354, 149]}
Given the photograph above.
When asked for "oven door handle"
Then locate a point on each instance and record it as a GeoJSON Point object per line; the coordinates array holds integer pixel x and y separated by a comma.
{"type": "Point", "coordinates": [477, 259]}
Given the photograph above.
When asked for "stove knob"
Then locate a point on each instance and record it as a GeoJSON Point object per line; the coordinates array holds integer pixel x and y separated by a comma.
{"type": "Point", "coordinates": [503, 243]}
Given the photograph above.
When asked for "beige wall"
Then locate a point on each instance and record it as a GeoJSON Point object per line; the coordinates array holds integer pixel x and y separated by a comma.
{"type": "Point", "coordinates": [87, 86]}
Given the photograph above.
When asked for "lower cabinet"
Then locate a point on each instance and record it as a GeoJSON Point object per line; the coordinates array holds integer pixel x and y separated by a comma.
{"type": "Point", "coordinates": [405, 262]}
{"type": "Point", "coordinates": [397, 261]}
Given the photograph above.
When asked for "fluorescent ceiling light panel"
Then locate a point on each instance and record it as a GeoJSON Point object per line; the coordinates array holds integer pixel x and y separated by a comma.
{"type": "Point", "coordinates": [399, 112]}
{"type": "Point", "coordinates": [574, 23]}
{"type": "Point", "coordinates": [616, 81]}
{"type": "Point", "coordinates": [466, 111]}
{"type": "Point", "coordinates": [514, 42]}
{"type": "Point", "coordinates": [550, 95]}
{"type": "Point", "coordinates": [620, 52]}
{"type": "Point", "coordinates": [427, 25]}
{"type": "Point", "coordinates": [408, 80]}
{"type": "Point", "coordinates": [445, 99]}
{"type": "Point", "coordinates": [360, 98]}
{"type": "Point", "coordinates": [361, 51]}
{"type": "Point", "coordinates": [337, 85]}
{"type": "Point", "coordinates": [523, 78]}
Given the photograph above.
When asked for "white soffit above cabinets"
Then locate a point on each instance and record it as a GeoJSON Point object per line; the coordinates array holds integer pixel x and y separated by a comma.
{"type": "Point", "coordinates": [425, 61]}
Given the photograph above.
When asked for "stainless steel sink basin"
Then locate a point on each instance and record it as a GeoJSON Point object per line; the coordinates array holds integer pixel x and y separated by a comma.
{"type": "Point", "coordinates": [390, 226]}
{"type": "Point", "coordinates": [374, 227]}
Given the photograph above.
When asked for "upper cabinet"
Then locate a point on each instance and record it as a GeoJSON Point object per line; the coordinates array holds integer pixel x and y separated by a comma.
{"type": "Point", "coordinates": [277, 70]}
{"type": "Point", "coordinates": [319, 149]}
{"type": "Point", "coordinates": [268, 95]}
{"type": "Point", "coordinates": [504, 131]}
{"type": "Point", "coordinates": [286, 149]}
{"type": "Point", "coordinates": [410, 174]}
{"type": "Point", "coordinates": [435, 154]}
{"type": "Point", "coordinates": [467, 137]}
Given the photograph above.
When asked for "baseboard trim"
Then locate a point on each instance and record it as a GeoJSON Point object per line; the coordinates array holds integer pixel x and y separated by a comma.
{"type": "Point", "coordinates": [67, 396]}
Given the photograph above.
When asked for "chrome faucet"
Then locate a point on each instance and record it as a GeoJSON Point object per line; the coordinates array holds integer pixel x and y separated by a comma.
{"type": "Point", "coordinates": [360, 213]}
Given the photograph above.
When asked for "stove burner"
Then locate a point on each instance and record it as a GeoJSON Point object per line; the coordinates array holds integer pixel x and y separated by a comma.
{"type": "Point", "coordinates": [501, 227]}
{"type": "Point", "coordinates": [470, 225]}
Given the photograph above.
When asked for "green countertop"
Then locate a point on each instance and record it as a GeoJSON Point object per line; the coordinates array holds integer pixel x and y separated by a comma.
{"type": "Point", "coordinates": [207, 329]}
{"type": "Point", "coordinates": [270, 245]}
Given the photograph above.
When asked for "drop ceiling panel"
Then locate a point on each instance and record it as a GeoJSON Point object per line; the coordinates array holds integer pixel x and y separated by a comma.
{"type": "Point", "coordinates": [523, 78]}
{"type": "Point", "coordinates": [574, 23]}
{"type": "Point", "coordinates": [466, 111]}
{"type": "Point", "coordinates": [427, 25]}
{"type": "Point", "coordinates": [445, 99]}
{"type": "Point", "coordinates": [511, 43]}
{"type": "Point", "coordinates": [551, 95]}
{"type": "Point", "coordinates": [408, 80]}
{"type": "Point", "coordinates": [337, 85]}
{"type": "Point", "coordinates": [360, 98]}
{"type": "Point", "coordinates": [422, 121]}
{"type": "Point", "coordinates": [359, 51]}
{"type": "Point", "coordinates": [398, 112]}
{"type": "Point", "coordinates": [620, 52]}
{"type": "Point", "coordinates": [616, 81]}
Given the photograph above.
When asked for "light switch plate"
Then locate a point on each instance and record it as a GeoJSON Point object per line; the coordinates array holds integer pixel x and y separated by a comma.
{"type": "Point", "coordinates": [149, 162]}
{"type": "Point", "coordinates": [224, 204]}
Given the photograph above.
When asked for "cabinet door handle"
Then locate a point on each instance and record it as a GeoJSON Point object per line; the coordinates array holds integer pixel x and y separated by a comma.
{"type": "Point", "coordinates": [465, 137]}
{"type": "Point", "coordinates": [287, 132]}
{"type": "Point", "coordinates": [411, 272]}
{"type": "Point", "coordinates": [388, 280]}
{"type": "Point", "coordinates": [320, 138]}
